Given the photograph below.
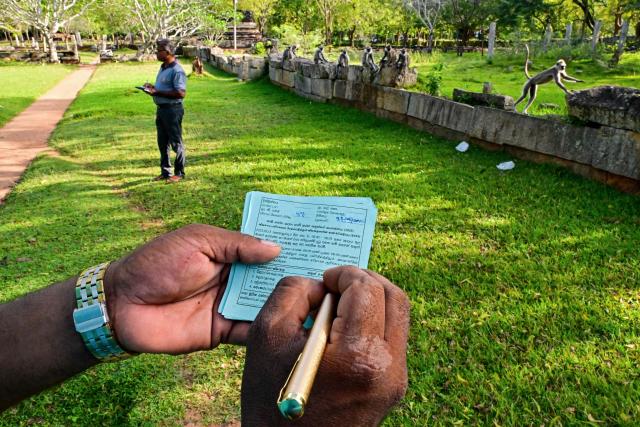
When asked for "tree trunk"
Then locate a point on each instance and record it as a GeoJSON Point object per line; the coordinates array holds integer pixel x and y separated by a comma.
{"type": "Point", "coordinates": [76, 56]}
{"type": "Point", "coordinates": [596, 36]}
{"type": "Point", "coordinates": [588, 20]}
{"type": "Point", "coordinates": [617, 22]}
{"type": "Point", "coordinates": [547, 38]}
{"type": "Point", "coordinates": [66, 42]}
{"type": "Point", "coordinates": [567, 34]}
{"type": "Point", "coordinates": [78, 39]}
{"type": "Point", "coordinates": [53, 53]}
{"type": "Point", "coordinates": [352, 33]}
{"type": "Point", "coordinates": [621, 43]}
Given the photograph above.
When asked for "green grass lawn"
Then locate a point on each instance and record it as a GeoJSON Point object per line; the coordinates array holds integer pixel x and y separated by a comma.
{"type": "Point", "coordinates": [506, 73]}
{"type": "Point", "coordinates": [524, 285]}
{"type": "Point", "coordinates": [23, 83]}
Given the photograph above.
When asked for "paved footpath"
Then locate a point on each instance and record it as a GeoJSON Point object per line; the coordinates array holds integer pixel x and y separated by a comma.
{"type": "Point", "coordinates": [27, 134]}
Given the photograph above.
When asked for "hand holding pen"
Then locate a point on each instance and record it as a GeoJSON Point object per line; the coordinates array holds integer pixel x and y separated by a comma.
{"type": "Point", "coordinates": [363, 370]}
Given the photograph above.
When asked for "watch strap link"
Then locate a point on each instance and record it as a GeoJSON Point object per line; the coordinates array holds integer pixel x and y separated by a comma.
{"type": "Point", "coordinates": [91, 318]}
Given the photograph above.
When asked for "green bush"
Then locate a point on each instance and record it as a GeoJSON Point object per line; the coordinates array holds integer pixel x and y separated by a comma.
{"type": "Point", "coordinates": [434, 80]}
{"type": "Point", "coordinates": [290, 34]}
{"type": "Point", "coordinates": [259, 49]}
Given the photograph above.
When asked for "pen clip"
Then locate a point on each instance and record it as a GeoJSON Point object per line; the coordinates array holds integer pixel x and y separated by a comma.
{"type": "Point", "coordinates": [286, 383]}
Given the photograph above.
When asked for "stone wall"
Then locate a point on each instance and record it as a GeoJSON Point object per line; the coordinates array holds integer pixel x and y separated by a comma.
{"type": "Point", "coordinates": [245, 67]}
{"type": "Point", "coordinates": [604, 153]}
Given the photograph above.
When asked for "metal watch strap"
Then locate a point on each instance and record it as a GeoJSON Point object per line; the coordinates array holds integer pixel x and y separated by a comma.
{"type": "Point", "coordinates": [91, 318]}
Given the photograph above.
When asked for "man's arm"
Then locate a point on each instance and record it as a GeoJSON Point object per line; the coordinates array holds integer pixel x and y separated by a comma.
{"type": "Point", "coordinates": [161, 298]}
{"type": "Point", "coordinates": [39, 346]}
{"type": "Point", "coordinates": [173, 94]}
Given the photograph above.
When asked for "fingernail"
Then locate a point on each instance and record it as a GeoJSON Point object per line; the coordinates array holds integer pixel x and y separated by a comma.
{"type": "Point", "coordinates": [269, 243]}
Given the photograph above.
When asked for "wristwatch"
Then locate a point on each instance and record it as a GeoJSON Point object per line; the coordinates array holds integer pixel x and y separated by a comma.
{"type": "Point", "coordinates": [91, 318]}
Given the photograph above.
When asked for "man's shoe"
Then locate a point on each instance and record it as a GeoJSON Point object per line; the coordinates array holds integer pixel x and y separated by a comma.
{"type": "Point", "coordinates": [174, 178]}
{"type": "Point", "coordinates": [160, 178]}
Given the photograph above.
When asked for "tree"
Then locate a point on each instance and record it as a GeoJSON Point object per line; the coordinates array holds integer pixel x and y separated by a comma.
{"type": "Point", "coordinates": [327, 9]}
{"type": "Point", "coordinates": [262, 11]}
{"type": "Point", "coordinates": [358, 19]}
{"type": "Point", "coordinates": [588, 12]}
{"type": "Point", "coordinates": [466, 16]}
{"type": "Point", "coordinates": [429, 12]}
{"type": "Point", "coordinates": [47, 16]}
{"type": "Point", "coordinates": [174, 18]}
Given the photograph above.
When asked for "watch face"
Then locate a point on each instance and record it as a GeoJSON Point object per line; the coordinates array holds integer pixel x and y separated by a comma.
{"type": "Point", "coordinates": [90, 317]}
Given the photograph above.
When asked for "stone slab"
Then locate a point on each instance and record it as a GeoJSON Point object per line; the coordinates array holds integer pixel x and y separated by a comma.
{"type": "Point", "coordinates": [288, 65]}
{"type": "Point", "coordinates": [275, 74]}
{"type": "Point", "coordinates": [302, 83]}
{"type": "Point", "coordinates": [616, 151]}
{"type": "Point", "coordinates": [354, 73]}
{"type": "Point", "coordinates": [311, 97]}
{"type": "Point", "coordinates": [613, 106]}
{"type": "Point", "coordinates": [288, 78]}
{"type": "Point", "coordinates": [392, 77]}
{"type": "Point", "coordinates": [340, 89]}
{"type": "Point", "coordinates": [322, 88]}
{"type": "Point", "coordinates": [349, 91]}
{"type": "Point", "coordinates": [368, 76]}
{"type": "Point", "coordinates": [255, 62]}
{"type": "Point", "coordinates": [354, 92]}
{"type": "Point", "coordinates": [395, 100]}
{"type": "Point", "coordinates": [370, 96]}
{"type": "Point", "coordinates": [189, 51]}
{"type": "Point", "coordinates": [255, 73]}
{"type": "Point", "coordinates": [440, 112]}
{"type": "Point", "coordinates": [502, 102]}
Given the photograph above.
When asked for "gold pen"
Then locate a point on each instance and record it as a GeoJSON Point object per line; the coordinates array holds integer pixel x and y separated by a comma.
{"type": "Point", "coordinates": [295, 392]}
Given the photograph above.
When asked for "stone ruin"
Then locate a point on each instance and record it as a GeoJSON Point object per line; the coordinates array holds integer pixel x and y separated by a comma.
{"type": "Point", "coordinates": [606, 148]}
{"type": "Point", "coordinates": [247, 34]}
{"type": "Point", "coordinates": [501, 102]}
{"type": "Point", "coordinates": [614, 106]}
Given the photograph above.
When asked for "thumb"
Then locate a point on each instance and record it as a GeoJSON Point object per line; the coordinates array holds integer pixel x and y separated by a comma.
{"type": "Point", "coordinates": [279, 323]}
{"type": "Point", "coordinates": [226, 246]}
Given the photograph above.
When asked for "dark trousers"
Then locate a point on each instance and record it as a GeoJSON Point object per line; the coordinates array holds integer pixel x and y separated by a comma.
{"type": "Point", "coordinates": [169, 126]}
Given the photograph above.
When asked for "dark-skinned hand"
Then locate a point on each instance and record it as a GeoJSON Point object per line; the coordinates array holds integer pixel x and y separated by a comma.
{"type": "Point", "coordinates": [363, 372]}
{"type": "Point", "coordinates": [164, 296]}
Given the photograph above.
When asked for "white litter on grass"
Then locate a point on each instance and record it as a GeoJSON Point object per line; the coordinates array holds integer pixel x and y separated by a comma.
{"type": "Point", "coordinates": [463, 146]}
{"type": "Point", "coordinates": [506, 166]}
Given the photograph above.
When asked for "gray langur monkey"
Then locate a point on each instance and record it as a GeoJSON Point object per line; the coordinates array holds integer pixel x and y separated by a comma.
{"type": "Point", "coordinates": [289, 53]}
{"type": "Point", "coordinates": [389, 56]}
{"type": "Point", "coordinates": [343, 60]}
{"type": "Point", "coordinates": [556, 73]}
{"type": "Point", "coordinates": [403, 61]}
{"type": "Point", "coordinates": [368, 61]}
{"type": "Point", "coordinates": [319, 58]}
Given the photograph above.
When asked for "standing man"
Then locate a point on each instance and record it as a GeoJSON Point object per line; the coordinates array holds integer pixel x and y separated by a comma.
{"type": "Point", "coordinates": [168, 93]}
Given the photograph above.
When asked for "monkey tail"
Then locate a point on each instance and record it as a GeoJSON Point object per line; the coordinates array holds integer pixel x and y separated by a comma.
{"type": "Point", "coordinates": [526, 62]}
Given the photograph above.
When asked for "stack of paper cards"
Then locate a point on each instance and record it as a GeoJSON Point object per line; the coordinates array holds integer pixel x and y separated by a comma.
{"type": "Point", "coordinates": [316, 233]}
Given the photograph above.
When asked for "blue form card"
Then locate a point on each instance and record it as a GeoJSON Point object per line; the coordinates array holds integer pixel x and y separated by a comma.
{"type": "Point", "coordinates": [315, 233]}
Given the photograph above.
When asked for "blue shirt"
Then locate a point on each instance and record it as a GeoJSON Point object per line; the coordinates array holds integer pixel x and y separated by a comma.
{"type": "Point", "coordinates": [170, 77]}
